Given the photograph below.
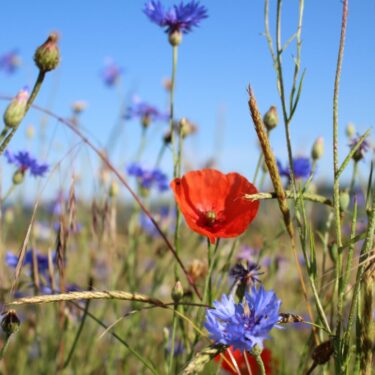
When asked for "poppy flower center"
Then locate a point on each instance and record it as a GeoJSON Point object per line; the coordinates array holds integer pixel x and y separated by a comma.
{"type": "Point", "coordinates": [210, 218]}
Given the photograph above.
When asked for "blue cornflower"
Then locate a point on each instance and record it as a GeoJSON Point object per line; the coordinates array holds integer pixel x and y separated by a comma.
{"type": "Point", "coordinates": [301, 165]}
{"type": "Point", "coordinates": [25, 162]}
{"type": "Point", "coordinates": [111, 73]}
{"type": "Point", "coordinates": [362, 150]}
{"type": "Point", "coordinates": [244, 324]}
{"type": "Point", "coordinates": [148, 178]}
{"type": "Point", "coordinates": [42, 260]}
{"type": "Point", "coordinates": [10, 62]}
{"type": "Point", "coordinates": [162, 217]}
{"type": "Point", "coordinates": [180, 18]}
{"type": "Point", "coordinates": [147, 113]}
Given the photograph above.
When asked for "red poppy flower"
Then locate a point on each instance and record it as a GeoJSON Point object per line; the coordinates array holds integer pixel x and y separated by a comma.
{"type": "Point", "coordinates": [241, 363]}
{"type": "Point", "coordinates": [213, 203]}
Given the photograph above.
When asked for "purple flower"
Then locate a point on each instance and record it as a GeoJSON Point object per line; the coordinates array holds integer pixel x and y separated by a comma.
{"type": "Point", "coordinates": [244, 324]}
{"type": "Point", "coordinates": [148, 178]}
{"type": "Point", "coordinates": [25, 162]}
{"type": "Point", "coordinates": [162, 217]}
{"type": "Point", "coordinates": [362, 150]}
{"type": "Point", "coordinates": [147, 113]}
{"type": "Point", "coordinates": [181, 18]}
{"type": "Point", "coordinates": [111, 73]}
{"type": "Point", "coordinates": [42, 260]}
{"type": "Point", "coordinates": [10, 62]}
{"type": "Point", "coordinates": [246, 274]}
{"type": "Point", "coordinates": [247, 253]}
{"type": "Point", "coordinates": [301, 165]}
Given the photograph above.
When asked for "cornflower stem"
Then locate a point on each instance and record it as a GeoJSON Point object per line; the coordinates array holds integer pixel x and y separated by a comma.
{"type": "Point", "coordinates": [160, 155]}
{"type": "Point", "coordinates": [173, 338]}
{"type": "Point", "coordinates": [365, 251]}
{"type": "Point", "coordinates": [33, 95]}
{"type": "Point", "coordinates": [256, 353]}
{"type": "Point", "coordinates": [5, 346]}
{"type": "Point", "coordinates": [8, 193]}
{"type": "Point", "coordinates": [142, 143]}
{"type": "Point", "coordinates": [336, 183]}
{"type": "Point", "coordinates": [354, 176]}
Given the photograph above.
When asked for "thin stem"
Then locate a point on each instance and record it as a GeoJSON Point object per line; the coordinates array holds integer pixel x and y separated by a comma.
{"type": "Point", "coordinates": [336, 184]}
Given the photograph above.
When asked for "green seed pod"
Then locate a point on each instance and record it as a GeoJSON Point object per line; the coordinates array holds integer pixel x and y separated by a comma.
{"type": "Point", "coordinates": [10, 322]}
{"type": "Point", "coordinates": [317, 150]}
{"type": "Point", "coordinates": [16, 109]}
{"type": "Point", "coordinates": [175, 38]}
{"type": "Point", "coordinates": [271, 118]}
{"type": "Point", "coordinates": [47, 56]}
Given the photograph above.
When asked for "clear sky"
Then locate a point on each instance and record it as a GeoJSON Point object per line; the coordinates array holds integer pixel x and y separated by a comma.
{"type": "Point", "coordinates": [216, 63]}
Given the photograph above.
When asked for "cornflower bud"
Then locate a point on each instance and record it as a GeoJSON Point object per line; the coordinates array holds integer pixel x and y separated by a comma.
{"type": "Point", "coordinates": [271, 119]}
{"type": "Point", "coordinates": [10, 322]}
{"type": "Point", "coordinates": [344, 199]}
{"type": "Point", "coordinates": [175, 38]}
{"type": "Point", "coordinates": [16, 109]}
{"type": "Point", "coordinates": [113, 189]}
{"type": "Point", "coordinates": [18, 177]}
{"type": "Point", "coordinates": [317, 150]}
{"type": "Point", "coordinates": [177, 292]}
{"type": "Point", "coordinates": [47, 56]}
{"type": "Point", "coordinates": [350, 130]}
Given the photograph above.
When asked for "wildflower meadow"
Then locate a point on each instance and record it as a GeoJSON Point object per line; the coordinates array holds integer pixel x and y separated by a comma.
{"type": "Point", "coordinates": [186, 187]}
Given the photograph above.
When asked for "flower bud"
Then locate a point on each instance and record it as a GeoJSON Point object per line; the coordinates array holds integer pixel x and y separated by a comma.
{"type": "Point", "coordinates": [9, 215]}
{"type": "Point", "coordinates": [18, 177]}
{"type": "Point", "coordinates": [177, 292]}
{"type": "Point", "coordinates": [113, 189]}
{"type": "Point", "coordinates": [344, 199]}
{"type": "Point", "coordinates": [47, 56]}
{"type": "Point", "coordinates": [167, 137]}
{"type": "Point", "coordinates": [79, 106]}
{"type": "Point", "coordinates": [186, 127]}
{"type": "Point", "coordinates": [10, 322]}
{"type": "Point", "coordinates": [16, 109]}
{"type": "Point", "coordinates": [317, 150]}
{"type": "Point", "coordinates": [175, 38]}
{"type": "Point", "coordinates": [350, 130]}
{"type": "Point", "coordinates": [271, 119]}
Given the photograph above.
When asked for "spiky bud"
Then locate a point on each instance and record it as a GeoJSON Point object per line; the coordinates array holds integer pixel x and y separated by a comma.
{"type": "Point", "coordinates": [175, 38]}
{"type": "Point", "coordinates": [16, 110]}
{"type": "Point", "coordinates": [10, 322]}
{"type": "Point", "coordinates": [271, 118]}
{"type": "Point", "coordinates": [47, 56]}
{"type": "Point", "coordinates": [317, 150]}
{"type": "Point", "coordinates": [177, 292]}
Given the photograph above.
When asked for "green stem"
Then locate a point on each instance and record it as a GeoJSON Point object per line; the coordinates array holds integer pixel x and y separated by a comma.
{"type": "Point", "coordinates": [5, 346]}
{"type": "Point", "coordinates": [142, 144]}
{"type": "Point", "coordinates": [173, 338]}
{"type": "Point", "coordinates": [354, 175]}
{"type": "Point", "coordinates": [336, 184]}
{"type": "Point", "coordinates": [8, 193]}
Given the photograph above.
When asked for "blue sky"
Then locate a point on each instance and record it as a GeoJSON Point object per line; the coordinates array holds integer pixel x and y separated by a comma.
{"type": "Point", "coordinates": [216, 63]}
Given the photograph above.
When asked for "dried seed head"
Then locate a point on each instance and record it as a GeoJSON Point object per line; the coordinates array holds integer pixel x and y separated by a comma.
{"type": "Point", "coordinates": [10, 322]}
{"type": "Point", "coordinates": [322, 353]}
